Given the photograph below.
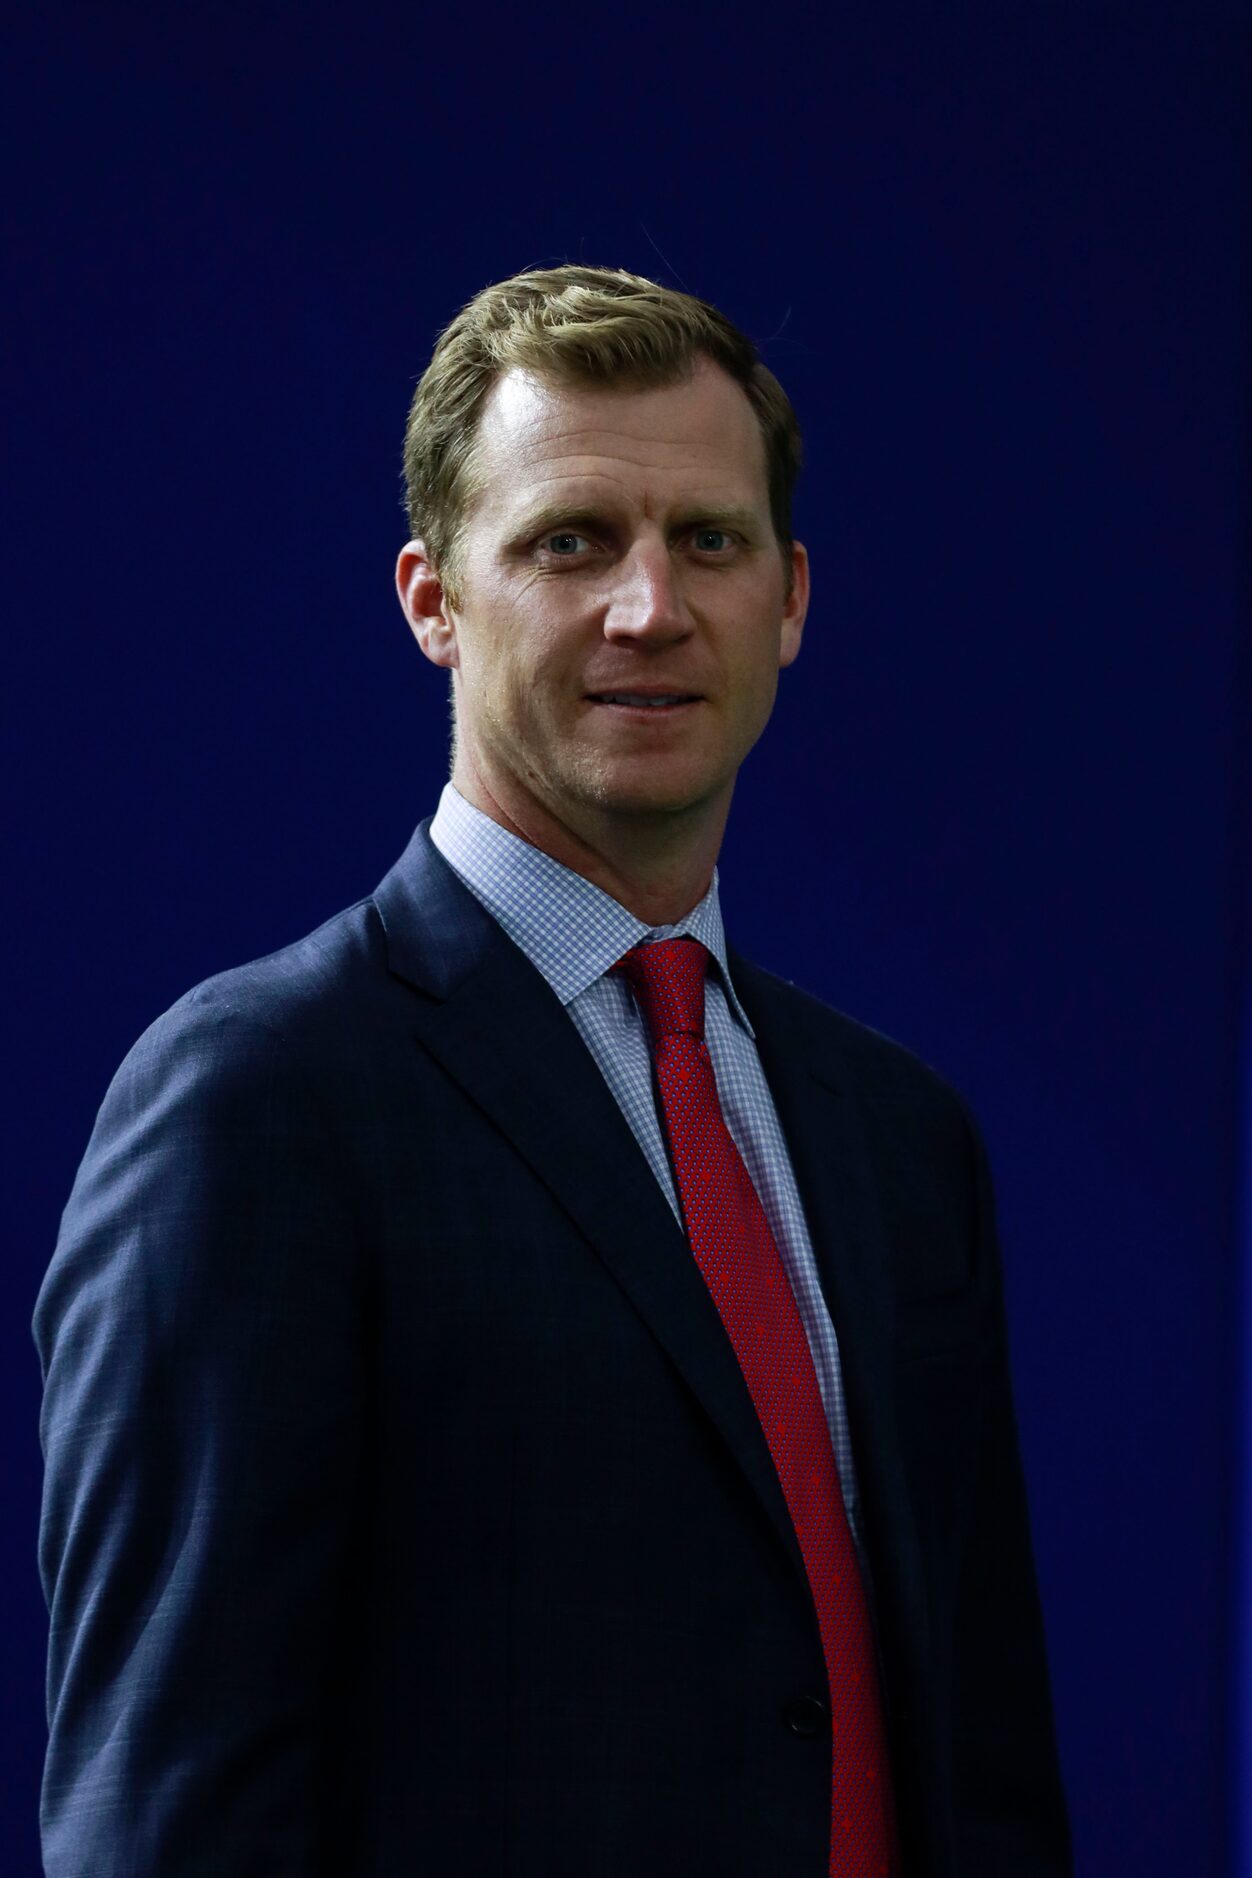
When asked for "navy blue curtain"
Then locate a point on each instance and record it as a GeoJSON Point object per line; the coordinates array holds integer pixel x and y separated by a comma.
{"type": "Point", "coordinates": [999, 258]}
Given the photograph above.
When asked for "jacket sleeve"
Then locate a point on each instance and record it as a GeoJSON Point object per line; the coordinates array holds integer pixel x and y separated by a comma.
{"type": "Point", "coordinates": [1011, 1819]}
{"type": "Point", "coordinates": [200, 1331]}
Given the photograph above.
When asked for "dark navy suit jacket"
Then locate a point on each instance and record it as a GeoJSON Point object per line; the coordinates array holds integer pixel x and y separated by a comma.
{"type": "Point", "coordinates": [406, 1512]}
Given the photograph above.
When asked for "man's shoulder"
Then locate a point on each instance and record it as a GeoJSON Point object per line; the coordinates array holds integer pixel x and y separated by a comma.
{"type": "Point", "coordinates": [921, 1139]}
{"type": "Point", "coordinates": [310, 1003]}
{"type": "Point", "coordinates": [298, 984]}
{"type": "Point", "coordinates": [865, 1061]}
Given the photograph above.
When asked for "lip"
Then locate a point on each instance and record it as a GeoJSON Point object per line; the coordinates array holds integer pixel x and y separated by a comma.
{"type": "Point", "coordinates": [639, 712]}
{"type": "Point", "coordinates": [652, 690]}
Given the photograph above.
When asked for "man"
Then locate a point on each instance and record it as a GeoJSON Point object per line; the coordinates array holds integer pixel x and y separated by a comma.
{"type": "Point", "coordinates": [526, 1390]}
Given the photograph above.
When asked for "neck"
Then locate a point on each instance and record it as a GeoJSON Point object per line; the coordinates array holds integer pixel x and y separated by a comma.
{"type": "Point", "coordinates": [657, 866]}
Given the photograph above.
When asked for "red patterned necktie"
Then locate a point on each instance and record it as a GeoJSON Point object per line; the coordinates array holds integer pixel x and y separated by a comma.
{"type": "Point", "coordinates": [736, 1252]}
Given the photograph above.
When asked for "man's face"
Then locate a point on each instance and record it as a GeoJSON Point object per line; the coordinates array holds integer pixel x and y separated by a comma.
{"type": "Point", "coordinates": [622, 541]}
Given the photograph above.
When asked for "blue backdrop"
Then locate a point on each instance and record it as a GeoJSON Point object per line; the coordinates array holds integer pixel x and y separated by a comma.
{"type": "Point", "coordinates": [999, 258]}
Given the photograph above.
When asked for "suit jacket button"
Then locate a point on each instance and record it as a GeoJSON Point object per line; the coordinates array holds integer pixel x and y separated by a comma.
{"type": "Point", "coordinates": [805, 1715]}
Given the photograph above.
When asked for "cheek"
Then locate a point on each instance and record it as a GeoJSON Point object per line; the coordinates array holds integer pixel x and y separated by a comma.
{"type": "Point", "coordinates": [751, 664]}
{"type": "Point", "coordinates": [530, 689]}
{"type": "Point", "coordinates": [509, 668]}
{"type": "Point", "coordinates": [543, 672]}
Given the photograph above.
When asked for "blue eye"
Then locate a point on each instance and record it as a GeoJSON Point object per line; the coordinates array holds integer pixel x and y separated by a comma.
{"type": "Point", "coordinates": [724, 540]}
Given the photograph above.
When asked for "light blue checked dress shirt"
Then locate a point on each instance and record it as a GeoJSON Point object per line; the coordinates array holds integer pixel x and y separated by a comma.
{"type": "Point", "coordinates": [574, 932]}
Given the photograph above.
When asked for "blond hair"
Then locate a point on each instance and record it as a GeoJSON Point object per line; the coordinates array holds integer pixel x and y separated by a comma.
{"type": "Point", "coordinates": [573, 325]}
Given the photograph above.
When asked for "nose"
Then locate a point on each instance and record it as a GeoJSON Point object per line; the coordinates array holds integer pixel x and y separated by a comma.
{"type": "Point", "coordinates": [647, 603]}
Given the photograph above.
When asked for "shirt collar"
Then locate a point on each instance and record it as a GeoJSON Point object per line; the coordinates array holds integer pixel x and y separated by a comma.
{"type": "Point", "coordinates": [571, 930]}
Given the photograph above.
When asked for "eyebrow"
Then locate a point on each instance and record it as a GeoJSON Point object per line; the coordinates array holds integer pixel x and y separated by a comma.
{"type": "Point", "coordinates": [579, 514]}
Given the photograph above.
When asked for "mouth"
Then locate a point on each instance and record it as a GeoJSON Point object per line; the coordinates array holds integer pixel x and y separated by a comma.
{"type": "Point", "coordinates": [641, 705]}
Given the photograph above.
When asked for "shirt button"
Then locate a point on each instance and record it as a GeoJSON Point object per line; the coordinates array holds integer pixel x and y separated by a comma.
{"type": "Point", "coordinates": [805, 1715]}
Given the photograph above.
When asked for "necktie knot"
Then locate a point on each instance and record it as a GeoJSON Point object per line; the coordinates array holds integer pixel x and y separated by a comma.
{"type": "Point", "coordinates": [667, 979]}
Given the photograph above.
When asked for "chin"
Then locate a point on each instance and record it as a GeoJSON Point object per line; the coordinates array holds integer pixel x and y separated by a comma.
{"type": "Point", "coordinates": [652, 795]}
{"type": "Point", "coordinates": [642, 785]}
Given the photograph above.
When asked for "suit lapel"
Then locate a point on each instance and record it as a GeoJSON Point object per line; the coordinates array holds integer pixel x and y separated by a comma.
{"type": "Point", "coordinates": [493, 1022]}
{"type": "Point", "coordinates": [823, 1129]}
{"type": "Point", "coordinates": [496, 1026]}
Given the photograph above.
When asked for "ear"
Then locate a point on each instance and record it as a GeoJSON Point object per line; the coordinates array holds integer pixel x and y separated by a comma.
{"type": "Point", "coordinates": [796, 607]}
{"type": "Point", "coordinates": [424, 605]}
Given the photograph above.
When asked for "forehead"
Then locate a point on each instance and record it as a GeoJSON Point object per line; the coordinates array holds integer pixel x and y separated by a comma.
{"type": "Point", "coordinates": [646, 448]}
